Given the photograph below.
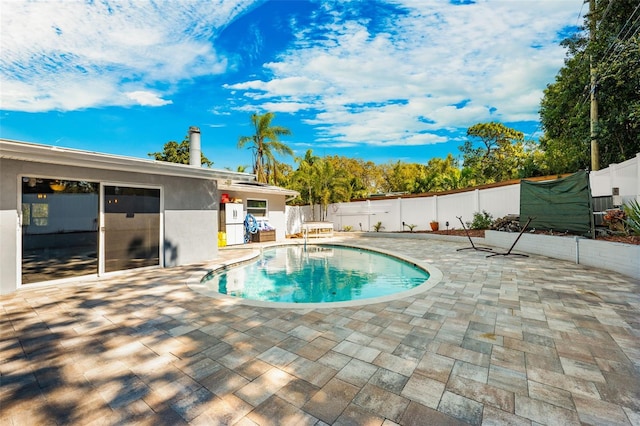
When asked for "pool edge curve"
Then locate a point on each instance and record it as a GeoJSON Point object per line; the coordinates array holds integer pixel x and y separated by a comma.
{"type": "Point", "coordinates": [194, 280]}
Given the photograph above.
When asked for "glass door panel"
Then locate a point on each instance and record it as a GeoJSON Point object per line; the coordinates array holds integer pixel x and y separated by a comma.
{"type": "Point", "coordinates": [59, 229]}
{"type": "Point", "coordinates": [131, 227]}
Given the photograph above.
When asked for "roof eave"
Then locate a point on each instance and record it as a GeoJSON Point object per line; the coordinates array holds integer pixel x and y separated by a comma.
{"type": "Point", "coordinates": [71, 157]}
{"type": "Point", "coordinates": [260, 189]}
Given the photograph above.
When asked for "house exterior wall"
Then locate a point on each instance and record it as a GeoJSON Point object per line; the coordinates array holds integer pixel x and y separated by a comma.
{"type": "Point", "coordinates": [276, 205]}
{"type": "Point", "coordinates": [190, 212]}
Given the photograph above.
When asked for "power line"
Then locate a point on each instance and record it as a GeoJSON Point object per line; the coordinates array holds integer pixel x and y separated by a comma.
{"type": "Point", "coordinates": [618, 44]}
{"type": "Point", "coordinates": [604, 15]}
{"type": "Point", "coordinates": [620, 34]}
{"type": "Point", "coordinates": [579, 15]}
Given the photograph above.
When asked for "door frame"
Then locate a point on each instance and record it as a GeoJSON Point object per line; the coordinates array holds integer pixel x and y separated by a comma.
{"type": "Point", "coordinates": [19, 231]}
{"type": "Point", "coordinates": [101, 227]}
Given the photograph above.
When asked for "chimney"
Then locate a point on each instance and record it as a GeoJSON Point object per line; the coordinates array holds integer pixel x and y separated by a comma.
{"type": "Point", "coordinates": [194, 146]}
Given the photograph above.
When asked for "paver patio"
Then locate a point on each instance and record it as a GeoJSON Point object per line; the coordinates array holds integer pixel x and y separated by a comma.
{"type": "Point", "coordinates": [502, 340]}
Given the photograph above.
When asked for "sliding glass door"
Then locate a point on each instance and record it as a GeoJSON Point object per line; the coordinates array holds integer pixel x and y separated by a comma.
{"type": "Point", "coordinates": [131, 227]}
{"type": "Point", "coordinates": [59, 229]}
{"type": "Point", "coordinates": [60, 237]}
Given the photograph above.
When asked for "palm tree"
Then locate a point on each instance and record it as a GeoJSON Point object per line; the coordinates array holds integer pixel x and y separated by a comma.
{"type": "Point", "coordinates": [333, 186]}
{"type": "Point", "coordinates": [305, 181]}
{"type": "Point", "coordinates": [265, 143]}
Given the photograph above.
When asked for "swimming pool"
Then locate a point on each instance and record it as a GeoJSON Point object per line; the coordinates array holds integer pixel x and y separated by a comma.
{"type": "Point", "coordinates": [317, 275]}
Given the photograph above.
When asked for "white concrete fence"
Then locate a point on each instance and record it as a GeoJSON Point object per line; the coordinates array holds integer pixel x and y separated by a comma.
{"type": "Point", "coordinates": [500, 201]}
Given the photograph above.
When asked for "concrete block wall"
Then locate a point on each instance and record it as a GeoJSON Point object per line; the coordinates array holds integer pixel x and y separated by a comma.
{"type": "Point", "coordinates": [563, 248]}
{"type": "Point", "coordinates": [622, 258]}
{"type": "Point", "coordinates": [617, 257]}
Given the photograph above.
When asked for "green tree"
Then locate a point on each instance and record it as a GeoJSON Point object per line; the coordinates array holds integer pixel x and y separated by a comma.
{"type": "Point", "coordinates": [332, 184]}
{"type": "Point", "coordinates": [175, 152]}
{"type": "Point", "coordinates": [304, 181]}
{"type": "Point", "coordinates": [500, 155]}
{"type": "Point", "coordinates": [283, 174]}
{"type": "Point", "coordinates": [319, 181]}
{"type": "Point", "coordinates": [565, 107]}
{"type": "Point", "coordinates": [402, 177]}
{"type": "Point", "coordinates": [364, 177]}
{"type": "Point", "coordinates": [442, 175]}
{"type": "Point", "coordinates": [265, 144]}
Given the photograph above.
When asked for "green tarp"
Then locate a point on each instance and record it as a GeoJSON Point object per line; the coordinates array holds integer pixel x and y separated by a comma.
{"type": "Point", "coordinates": [559, 205]}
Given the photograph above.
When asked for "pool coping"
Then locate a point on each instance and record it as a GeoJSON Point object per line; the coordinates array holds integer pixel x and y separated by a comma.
{"type": "Point", "coordinates": [194, 279]}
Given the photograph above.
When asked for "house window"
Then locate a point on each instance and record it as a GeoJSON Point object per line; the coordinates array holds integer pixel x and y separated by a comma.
{"type": "Point", "coordinates": [257, 208]}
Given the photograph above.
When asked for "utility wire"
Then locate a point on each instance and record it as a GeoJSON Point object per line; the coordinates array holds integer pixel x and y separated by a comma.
{"type": "Point", "coordinates": [604, 15]}
{"type": "Point", "coordinates": [619, 44]}
{"type": "Point", "coordinates": [620, 36]}
{"type": "Point", "coordinates": [579, 14]}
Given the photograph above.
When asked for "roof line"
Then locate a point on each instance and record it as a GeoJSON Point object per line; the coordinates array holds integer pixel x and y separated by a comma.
{"type": "Point", "coordinates": [27, 151]}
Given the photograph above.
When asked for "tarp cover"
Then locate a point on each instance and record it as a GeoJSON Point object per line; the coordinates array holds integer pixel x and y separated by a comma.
{"type": "Point", "coordinates": [560, 205]}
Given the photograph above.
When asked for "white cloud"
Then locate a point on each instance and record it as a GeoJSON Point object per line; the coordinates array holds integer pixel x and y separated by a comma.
{"type": "Point", "coordinates": [404, 79]}
{"type": "Point", "coordinates": [144, 98]}
{"type": "Point", "coordinates": [400, 85]}
{"type": "Point", "coordinates": [67, 55]}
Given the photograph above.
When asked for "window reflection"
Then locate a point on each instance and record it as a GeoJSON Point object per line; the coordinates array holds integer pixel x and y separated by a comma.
{"type": "Point", "coordinates": [59, 228]}
{"type": "Point", "coordinates": [132, 227]}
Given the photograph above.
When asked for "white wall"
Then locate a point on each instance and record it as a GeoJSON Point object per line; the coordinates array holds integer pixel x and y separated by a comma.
{"type": "Point", "coordinates": [625, 176]}
{"type": "Point", "coordinates": [190, 236]}
{"type": "Point", "coordinates": [275, 209]}
{"type": "Point", "coordinates": [498, 201]}
{"type": "Point", "coordinates": [598, 254]}
{"type": "Point", "coordinates": [419, 211]}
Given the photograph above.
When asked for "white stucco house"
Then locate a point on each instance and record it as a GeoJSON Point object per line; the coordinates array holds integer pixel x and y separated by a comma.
{"type": "Point", "coordinates": [69, 214]}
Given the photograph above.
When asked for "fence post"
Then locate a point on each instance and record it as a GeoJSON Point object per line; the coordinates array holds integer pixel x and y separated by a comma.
{"type": "Point", "coordinates": [476, 201]}
{"type": "Point", "coordinates": [435, 208]}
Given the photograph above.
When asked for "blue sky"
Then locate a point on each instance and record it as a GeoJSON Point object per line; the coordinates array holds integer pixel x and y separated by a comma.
{"type": "Point", "coordinates": [377, 80]}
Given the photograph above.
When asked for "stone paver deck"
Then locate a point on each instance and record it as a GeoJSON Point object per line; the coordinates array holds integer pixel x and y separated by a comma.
{"type": "Point", "coordinates": [498, 341]}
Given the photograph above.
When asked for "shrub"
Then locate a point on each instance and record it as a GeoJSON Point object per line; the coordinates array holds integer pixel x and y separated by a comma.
{"type": "Point", "coordinates": [481, 220]}
{"type": "Point", "coordinates": [347, 228]}
{"type": "Point", "coordinates": [615, 219]}
{"type": "Point", "coordinates": [632, 211]}
{"type": "Point", "coordinates": [378, 226]}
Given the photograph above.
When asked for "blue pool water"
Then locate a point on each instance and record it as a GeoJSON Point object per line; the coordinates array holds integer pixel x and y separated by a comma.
{"type": "Point", "coordinates": [317, 274]}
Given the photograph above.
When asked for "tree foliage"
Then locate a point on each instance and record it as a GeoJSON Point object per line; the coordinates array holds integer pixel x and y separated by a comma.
{"type": "Point", "coordinates": [264, 144]}
{"type": "Point", "coordinates": [495, 152]}
{"type": "Point", "coordinates": [362, 176]}
{"type": "Point", "coordinates": [502, 155]}
{"type": "Point", "coordinates": [401, 177]}
{"type": "Point", "coordinates": [175, 152]}
{"type": "Point", "coordinates": [565, 107]}
{"type": "Point", "coordinates": [319, 181]}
